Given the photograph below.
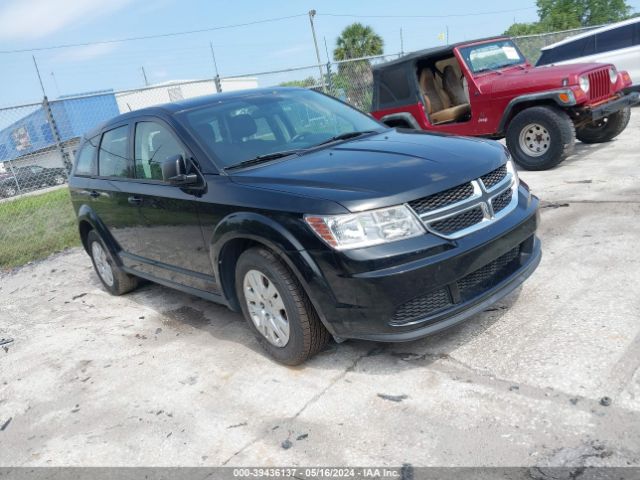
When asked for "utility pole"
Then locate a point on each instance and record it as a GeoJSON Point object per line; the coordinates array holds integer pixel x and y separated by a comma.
{"type": "Point", "coordinates": [144, 74]}
{"type": "Point", "coordinates": [312, 13]}
{"type": "Point", "coordinates": [401, 43]}
{"type": "Point", "coordinates": [216, 79]}
{"type": "Point", "coordinates": [46, 106]}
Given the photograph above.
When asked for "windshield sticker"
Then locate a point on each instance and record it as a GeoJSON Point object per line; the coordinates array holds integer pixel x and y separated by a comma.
{"type": "Point", "coordinates": [511, 53]}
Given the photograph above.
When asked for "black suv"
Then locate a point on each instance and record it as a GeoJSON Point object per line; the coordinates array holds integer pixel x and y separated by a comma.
{"type": "Point", "coordinates": [307, 215]}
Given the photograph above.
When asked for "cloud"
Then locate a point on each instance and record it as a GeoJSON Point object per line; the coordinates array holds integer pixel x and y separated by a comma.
{"type": "Point", "coordinates": [34, 19]}
{"type": "Point", "coordinates": [290, 51]}
{"type": "Point", "coordinates": [81, 54]}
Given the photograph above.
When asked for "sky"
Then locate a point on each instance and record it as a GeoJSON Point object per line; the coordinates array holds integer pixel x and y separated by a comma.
{"type": "Point", "coordinates": [281, 44]}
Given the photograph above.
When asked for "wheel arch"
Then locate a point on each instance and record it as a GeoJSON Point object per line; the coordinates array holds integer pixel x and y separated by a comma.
{"type": "Point", "coordinates": [239, 232]}
{"type": "Point", "coordinates": [518, 104]}
{"type": "Point", "coordinates": [87, 221]}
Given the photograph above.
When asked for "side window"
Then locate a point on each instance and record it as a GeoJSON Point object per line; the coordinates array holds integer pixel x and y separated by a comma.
{"type": "Point", "coordinates": [614, 39]}
{"type": "Point", "coordinates": [112, 156]}
{"type": "Point", "coordinates": [154, 144]}
{"type": "Point", "coordinates": [86, 163]}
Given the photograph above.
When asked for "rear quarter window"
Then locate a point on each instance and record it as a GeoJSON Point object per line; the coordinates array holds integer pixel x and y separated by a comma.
{"type": "Point", "coordinates": [86, 158]}
{"type": "Point", "coordinates": [615, 39]}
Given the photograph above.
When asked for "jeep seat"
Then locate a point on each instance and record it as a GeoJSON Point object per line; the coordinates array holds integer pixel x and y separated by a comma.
{"type": "Point", "coordinates": [438, 103]}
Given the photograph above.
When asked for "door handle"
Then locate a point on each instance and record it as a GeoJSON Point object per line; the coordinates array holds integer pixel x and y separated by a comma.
{"type": "Point", "coordinates": [94, 194]}
{"type": "Point", "coordinates": [134, 200]}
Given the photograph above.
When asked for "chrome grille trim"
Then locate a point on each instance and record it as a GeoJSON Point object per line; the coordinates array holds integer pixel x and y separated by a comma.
{"type": "Point", "coordinates": [482, 197]}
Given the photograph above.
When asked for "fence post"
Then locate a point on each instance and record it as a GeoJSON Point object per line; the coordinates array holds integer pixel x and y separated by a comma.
{"type": "Point", "coordinates": [56, 134]}
{"type": "Point", "coordinates": [15, 177]}
{"type": "Point", "coordinates": [218, 83]}
{"type": "Point", "coordinates": [329, 79]}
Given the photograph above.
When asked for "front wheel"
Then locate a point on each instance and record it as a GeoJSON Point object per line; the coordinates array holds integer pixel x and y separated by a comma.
{"type": "Point", "coordinates": [277, 309]}
{"type": "Point", "coordinates": [606, 128]}
{"type": "Point", "coordinates": [540, 137]}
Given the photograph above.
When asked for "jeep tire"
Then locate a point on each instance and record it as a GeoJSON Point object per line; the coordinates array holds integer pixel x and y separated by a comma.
{"type": "Point", "coordinates": [540, 137]}
{"type": "Point", "coordinates": [606, 128]}
{"type": "Point", "coordinates": [277, 309]}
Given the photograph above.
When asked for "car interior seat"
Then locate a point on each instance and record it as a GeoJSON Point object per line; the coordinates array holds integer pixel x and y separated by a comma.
{"type": "Point", "coordinates": [453, 86]}
{"type": "Point", "coordinates": [438, 104]}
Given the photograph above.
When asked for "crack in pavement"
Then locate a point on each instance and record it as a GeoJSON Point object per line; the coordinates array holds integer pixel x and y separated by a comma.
{"type": "Point", "coordinates": [374, 351]}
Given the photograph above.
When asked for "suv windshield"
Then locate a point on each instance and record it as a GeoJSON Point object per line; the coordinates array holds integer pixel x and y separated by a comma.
{"type": "Point", "coordinates": [261, 125]}
{"type": "Point", "coordinates": [491, 56]}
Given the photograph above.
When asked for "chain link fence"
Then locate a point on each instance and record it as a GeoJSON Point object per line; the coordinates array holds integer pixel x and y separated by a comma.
{"type": "Point", "coordinates": [38, 142]}
{"type": "Point", "coordinates": [531, 45]}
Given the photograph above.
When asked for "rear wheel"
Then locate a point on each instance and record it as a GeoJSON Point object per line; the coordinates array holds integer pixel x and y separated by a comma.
{"type": "Point", "coordinates": [606, 128]}
{"type": "Point", "coordinates": [277, 309]}
{"type": "Point", "coordinates": [9, 191]}
{"type": "Point", "coordinates": [540, 137]}
{"type": "Point", "coordinates": [114, 279]}
{"type": "Point", "coordinates": [58, 180]}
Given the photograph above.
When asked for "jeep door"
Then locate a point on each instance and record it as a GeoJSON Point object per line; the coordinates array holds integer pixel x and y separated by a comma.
{"type": "Point", "coordinates": [172, 245]}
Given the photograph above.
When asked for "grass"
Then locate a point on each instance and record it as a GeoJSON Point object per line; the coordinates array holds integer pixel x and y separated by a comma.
{"type": "Point", "coordinates": [34, 227]}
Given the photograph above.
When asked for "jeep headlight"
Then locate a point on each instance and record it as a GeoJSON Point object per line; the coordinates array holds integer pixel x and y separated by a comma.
{"type": "Point", "coordinates": [373, 227]}
{"type": "Point", "coordinates": [613, 75]}
{"type": "Point", "coordinates": [584, 83]}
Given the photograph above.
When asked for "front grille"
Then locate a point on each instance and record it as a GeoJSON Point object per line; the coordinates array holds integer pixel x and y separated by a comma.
{"type": "Point", "coordinates": [442, 199]}
{"type": "Point", "coordinates": [468, 287]}
{"type": "Point", "coordinates": [494, 177]}
{"type": "Point", "coordinates": [459, 222]}
{"type": "Point", "coordinates": [489, 275]}
{"type": "Point", "coordinates": [502, 200]}
{"type": "Point", "coordinates": [422, 306]}
{"type": "Point", "coordinates": [599, 84]}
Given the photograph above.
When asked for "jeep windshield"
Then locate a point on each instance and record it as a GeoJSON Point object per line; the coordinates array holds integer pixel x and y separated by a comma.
{"type": "Point", "coordinates": [492, 56]}
{"type": "Point", "coordinates": [250, 129]}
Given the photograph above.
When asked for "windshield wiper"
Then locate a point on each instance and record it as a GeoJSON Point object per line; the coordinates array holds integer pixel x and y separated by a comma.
{"type": "Point", "coordinates": [344, 136]}
{"type": "Point", "coordinates": [262, 158]}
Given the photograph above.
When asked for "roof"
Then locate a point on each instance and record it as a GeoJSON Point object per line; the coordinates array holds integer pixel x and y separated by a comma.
{"type": "Point", "coordinates": [188, 104]}
{"type": "Point", "coordinates": [433, 52]}
{"type": "Point", "coordinates": [592, 31]}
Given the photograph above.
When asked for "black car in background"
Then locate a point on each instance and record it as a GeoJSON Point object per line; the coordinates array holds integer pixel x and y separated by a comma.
{"type": "Point", "coordinates": [30, 177]}
{"type": "Point", "coordinates": [310, 217]}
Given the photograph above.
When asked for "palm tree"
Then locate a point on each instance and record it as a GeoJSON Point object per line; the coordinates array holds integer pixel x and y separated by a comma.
{"type": "Point", "coordinates": [354, 78]}
{"type": "Point", "coordinates": [357, 41]}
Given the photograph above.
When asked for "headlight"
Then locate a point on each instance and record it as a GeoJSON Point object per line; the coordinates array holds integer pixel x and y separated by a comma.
{"type": "Point", "coordinates": [613, 75]}
{"type": "Point", "coordinates": [584, 83]}
{"type": "Point", "coordinates": [367, 228]}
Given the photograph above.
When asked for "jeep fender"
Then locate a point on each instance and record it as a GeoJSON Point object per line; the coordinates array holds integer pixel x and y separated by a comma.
{"type": "Point", "coordinates": [532, 99]}
{"type": "Point", "coordinates": [86, 214]}
{"type": "Point", "coordinates": [263, 230]}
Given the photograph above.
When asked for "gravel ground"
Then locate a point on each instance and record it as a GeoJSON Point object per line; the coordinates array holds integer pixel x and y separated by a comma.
{"type": "Point", "coordinates": [550, 376]}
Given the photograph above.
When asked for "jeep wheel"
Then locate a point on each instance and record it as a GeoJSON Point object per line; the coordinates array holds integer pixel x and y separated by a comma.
{"type": "Point", "coordinates": [277, 309]}
{"type": "Point", "coordinates": [540, 138]}
{"type": "Point", "coordinates": [606, 128]}
{"type": "Point", "coordinates": [114, 279]}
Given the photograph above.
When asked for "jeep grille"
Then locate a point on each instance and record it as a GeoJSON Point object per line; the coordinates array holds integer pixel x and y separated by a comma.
{"type": "Point", "coordinates": [599, 85]}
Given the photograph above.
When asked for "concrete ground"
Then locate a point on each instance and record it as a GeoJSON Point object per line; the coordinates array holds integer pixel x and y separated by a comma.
{"type": "Point", "coordinates": [550, 376]}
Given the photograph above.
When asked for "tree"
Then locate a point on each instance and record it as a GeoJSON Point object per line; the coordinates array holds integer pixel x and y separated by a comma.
{"type": "Point", "coordinates": [307, 82]}
{"type": "Point", "coordinates": [357, 41]}
{"type": "Point", "coordinates": [558, 15]}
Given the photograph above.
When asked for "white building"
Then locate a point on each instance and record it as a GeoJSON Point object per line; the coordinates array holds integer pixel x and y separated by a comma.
{"type": "Point", "coordinates": [177, 90]}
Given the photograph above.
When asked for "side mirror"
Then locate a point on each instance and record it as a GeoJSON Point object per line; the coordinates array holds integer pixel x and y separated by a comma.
{"type": "Point", "coordinates": [174, 171]}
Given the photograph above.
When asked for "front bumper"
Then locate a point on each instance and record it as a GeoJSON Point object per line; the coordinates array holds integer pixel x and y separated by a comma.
{"type": "Point", "coordinates": [609, 108]}
{"type": "Point", "coordinates": [368, 294]}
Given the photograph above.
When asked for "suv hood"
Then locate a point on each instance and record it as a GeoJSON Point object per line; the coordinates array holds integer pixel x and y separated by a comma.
{"type": "Point", "coordinates": [515, 81]}
{"type": "Point", "coordinates": [380, 170]}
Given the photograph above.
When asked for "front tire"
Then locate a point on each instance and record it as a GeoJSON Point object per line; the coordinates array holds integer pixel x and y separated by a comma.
{"type": "Point", "coordinates": [606, 128]}
{"type": "Point", "coordinates": [112, 277]}
{"type": "Point", "coordinates": [541, 137]}
{"type": "Point", "coordinates": [277, 309]}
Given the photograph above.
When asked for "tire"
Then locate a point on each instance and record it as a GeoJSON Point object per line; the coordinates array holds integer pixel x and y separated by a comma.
{"type": "Point", "coordinates": [58, 180]}
{"type": "Point", "coordinates": [606, 128]}
{"type": "Point", "coordinates": [9, 191]}
{"type": "Point", "coordinates": [118, 282]}
{"type": "Point", "coordinates": [306, 335]}
{"type": "Point", "coordinates": [541, 137]}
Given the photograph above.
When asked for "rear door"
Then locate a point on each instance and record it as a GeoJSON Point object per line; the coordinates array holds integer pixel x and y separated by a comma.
{"type": "Point", "coordinates": [172, 245]}
{"type": "Point", "coordinates": [113, 188]}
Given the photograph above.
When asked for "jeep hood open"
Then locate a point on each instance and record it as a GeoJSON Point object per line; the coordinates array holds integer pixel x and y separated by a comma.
{"type": "Point", "coordinates": [385, 169]}
{"type": "Point", "coordinates": [512, 81]}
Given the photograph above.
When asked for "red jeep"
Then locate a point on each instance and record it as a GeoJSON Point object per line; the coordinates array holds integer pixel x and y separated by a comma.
{"type": "Point", "coordinates": [487, 88]}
